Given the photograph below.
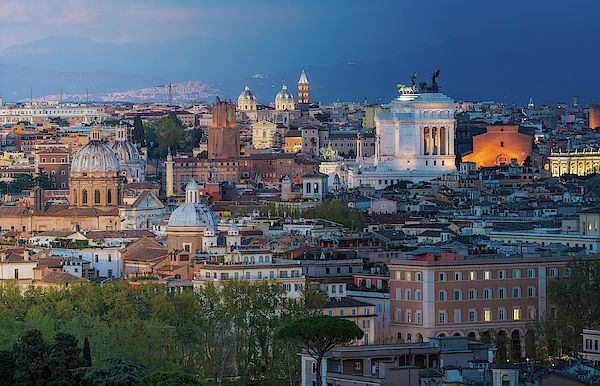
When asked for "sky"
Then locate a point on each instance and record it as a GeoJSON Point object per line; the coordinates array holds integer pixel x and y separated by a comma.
{"type": "Point", "coordinates": [228, 40]}
{"type": "Point", "coordinates": [345, 25]}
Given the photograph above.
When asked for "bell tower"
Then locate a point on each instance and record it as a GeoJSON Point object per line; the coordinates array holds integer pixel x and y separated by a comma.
{"type": "Point", "coordinates": [303, 93]}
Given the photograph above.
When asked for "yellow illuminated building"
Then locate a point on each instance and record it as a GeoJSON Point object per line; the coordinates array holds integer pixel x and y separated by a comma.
{"type": "Point", "coordinates": [580, 162]}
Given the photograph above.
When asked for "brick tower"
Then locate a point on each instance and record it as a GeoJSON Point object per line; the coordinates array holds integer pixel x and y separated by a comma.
{"type": "Point", "coordinates": [223, 135]}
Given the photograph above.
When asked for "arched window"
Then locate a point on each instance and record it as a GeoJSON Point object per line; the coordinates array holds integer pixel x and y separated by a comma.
{"type": "Point", "coordinates": [96, 196]}
{"type": "Point", "coordinates": [84, 197]}
{"type": "Point", "coordinates": [109, 196]}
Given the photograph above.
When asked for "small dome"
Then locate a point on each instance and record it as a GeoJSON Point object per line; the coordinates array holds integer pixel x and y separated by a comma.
{"type": "Point", "coordinates": [246, 96]}
{"type": "Point", "coordinates": [96, 156]}
{"type": "Point", "coordinates": [193, 215]}
{"type": "Point", "coordinates": [284, 95]}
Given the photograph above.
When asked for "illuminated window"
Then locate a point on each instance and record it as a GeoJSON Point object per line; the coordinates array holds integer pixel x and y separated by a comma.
{"type": "Point", "coordinates": [516, 313]}
{"type": "Point", "coordinates": [472, 275]}
{"type": "Point", "coordinates": [487, 275]}
{"type": "Point", "coordinates": [408, 276]}
{"type": "Point", "coordinates": [487, 315]}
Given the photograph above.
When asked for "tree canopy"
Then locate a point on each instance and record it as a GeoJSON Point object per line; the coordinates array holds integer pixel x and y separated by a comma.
{"type": "Point", "coordinates": [139, 134]}
{"type": "Point", "coordinates": [319, 334]}
{"type": "Point", "coordinates": [164, 133]}
{"type": "Point", "coordinates": [338, 211]}
{"type": "Point", "coordinates": [213, 333]}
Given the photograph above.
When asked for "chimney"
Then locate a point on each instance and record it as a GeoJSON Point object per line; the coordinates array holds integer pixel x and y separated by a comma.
{"type": "Point", "coordinates": [26, 255]}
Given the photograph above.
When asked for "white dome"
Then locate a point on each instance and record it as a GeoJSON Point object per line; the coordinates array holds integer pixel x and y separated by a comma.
{"type": "Point", "coordinates": [125, 150]}
{"type": "Point", "coordinates": [193, 215]}
{"type": "Point", "coordinates": [246, 96]}
{"type": "Point", "coordinates": [284, 95]}
{"type": "Point", "coordinates": [96, 156]}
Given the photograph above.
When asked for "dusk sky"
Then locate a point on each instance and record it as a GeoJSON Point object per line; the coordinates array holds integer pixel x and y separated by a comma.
{"type": "Point", "coordinates": [353, 27]}
{"type": "Point", "coordinates": [230, 41]}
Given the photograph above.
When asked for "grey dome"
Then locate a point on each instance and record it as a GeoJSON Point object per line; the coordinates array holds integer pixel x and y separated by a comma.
{"type": "Point", "coordinates": [193, 215]}
{"type": "Point", "coordinates": [125, 150]}
{"type": "Point", "coordinates": [96, 156]}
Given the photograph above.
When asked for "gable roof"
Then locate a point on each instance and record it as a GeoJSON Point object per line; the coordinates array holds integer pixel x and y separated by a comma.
{"type": "Point", "coordinates": [144, 249]}
{"type": "Point", "coordinates": [138, 202]}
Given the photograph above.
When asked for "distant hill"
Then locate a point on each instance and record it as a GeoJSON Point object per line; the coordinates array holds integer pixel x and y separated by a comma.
{"type": "Point", "coordinates": [181, 92]}
{"type": "Point", "coordinates": [550, 65]}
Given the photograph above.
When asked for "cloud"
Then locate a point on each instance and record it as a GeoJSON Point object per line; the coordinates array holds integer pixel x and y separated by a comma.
{"type": "Point", "coordinates": [136, 20]}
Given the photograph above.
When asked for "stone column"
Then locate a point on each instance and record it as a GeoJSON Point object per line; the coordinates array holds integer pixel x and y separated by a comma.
{"type": "Point", "coordinates": [447, 140]}
{"type": "Point", "coordinates": [430, 141]}
{"type": "Point", "coordinates": [451, 142]}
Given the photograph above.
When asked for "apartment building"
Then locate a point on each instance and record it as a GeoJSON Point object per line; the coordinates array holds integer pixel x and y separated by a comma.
{"type": "Point", "coordinates": [452, 295]}
{"type": "Point", "coordinates": [591, 346]}
{"type": "Point", "coordinates": [252, 265]}
{"type": "Point", "coordinates": [359, 312]}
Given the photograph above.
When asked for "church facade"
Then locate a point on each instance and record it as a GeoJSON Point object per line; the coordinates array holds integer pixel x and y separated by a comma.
{"type": "Point", "coordinates": [96, 189]}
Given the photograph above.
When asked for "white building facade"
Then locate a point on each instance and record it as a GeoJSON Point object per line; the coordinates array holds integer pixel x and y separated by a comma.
{"type": "Point", "coordinates": [414, 141]}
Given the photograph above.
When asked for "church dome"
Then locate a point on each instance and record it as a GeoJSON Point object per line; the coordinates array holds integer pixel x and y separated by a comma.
{"type": "Point", "coordinates": [96, 156]}
{"type": "Point", "coordinates": [125, 150]}
{"type": "Point", "coordinates": [246, 96]}
{"type": "Point", "coordinates": [284, 95]}
{"type": "Point", "coordinates": [193, 214]}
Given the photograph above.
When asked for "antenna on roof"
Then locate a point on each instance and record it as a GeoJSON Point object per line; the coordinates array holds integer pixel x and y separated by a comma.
{"type": "Point", "coordinates": [169, 95]}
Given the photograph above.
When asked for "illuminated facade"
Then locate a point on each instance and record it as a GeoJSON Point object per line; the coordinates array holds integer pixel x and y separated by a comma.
{"type": "Point", "coordinates": [414, 141]}
{"type": "Point", "coordinates": [580, 162]}
{"type": "Point", "coordinates": [266, 135]}
{"type": "Point", "coordinates": [499, 145]}
{"type": "Point", "coordinates": [594, 116]}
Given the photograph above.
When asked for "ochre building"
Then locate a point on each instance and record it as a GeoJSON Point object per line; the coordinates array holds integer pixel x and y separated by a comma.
{"type": "Point", "coordinates": [499, 145]}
